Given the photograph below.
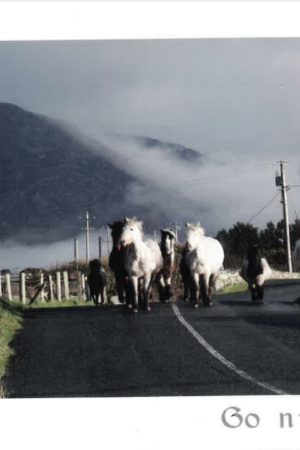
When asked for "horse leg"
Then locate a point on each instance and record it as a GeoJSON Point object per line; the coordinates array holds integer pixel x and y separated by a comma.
{"type": "Point", "coordinates": [135, 293]}
{"type": "Point", "coordinates": [161, 287]}
{"type": "Point", "coordinates": [253, 291]}
{"type": "Point", "coordinates": [212, 283]}
{"type": "Point", "coordinates": [146, 289]}
{"type": "Point", "coordinates": [140, 293]}
{"type": "Point", "coordinates": [128, 292]}
{"type": "Point", "coordinates": [260, 292]}
{"type": "Point", "coordinates": [154, 279]}
{"type": "Point", "coordinates": [259, 283]}
{"type": "Point", "coordinates": [204, 281]}
{"type": "Point", "coordinates": [168, 291]}
{"type": "Point", "coordinates": [93, 297]}
{"type": "Point", "coordinates": [120, 288]}
{"type": "Point", "coordinates": [102, 295]}
{"type": "Point", "coordinates": [195, 289]}
{"type": "Point", "coordinates": [186, 287]}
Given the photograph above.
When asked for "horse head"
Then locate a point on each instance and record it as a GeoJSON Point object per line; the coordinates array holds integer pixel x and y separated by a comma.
{"type": "Point", "coordinates": [132, 231]}
{"type": "Point", "coordinates": [194, 233]}
{"type": "Point", "coordinates": [168, 239]}
{"type": "Point", "coordinates": [254, 252]}
{"type": "Point", "coordinates": [94, 265]}
{"type": "Point", "coordinates": [116, 231]}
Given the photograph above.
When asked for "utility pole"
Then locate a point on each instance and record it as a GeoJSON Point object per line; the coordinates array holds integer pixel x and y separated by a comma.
{"type": "Point", "coordinates": [76, 252]}
{"type": "Point", "coordinates": [87, 237]}
{"type": "Point", "coordinates": [177, 226]}
{"type": "Point", "coordinates": [107, 239]}
{"type": "Point", "coordinates": [284, 188]}
{"type": "Point", "coordinates": [87, 230]}
{"type": "Point", "coordinates": [100, 248]}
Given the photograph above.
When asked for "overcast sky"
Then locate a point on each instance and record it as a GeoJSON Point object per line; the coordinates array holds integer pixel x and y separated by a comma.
{"type": "Point", "coordinates": [208, 94]}
{"type": "Point", "coordinates": [235, 100]}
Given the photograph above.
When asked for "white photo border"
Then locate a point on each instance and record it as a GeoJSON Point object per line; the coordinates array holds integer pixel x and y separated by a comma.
{"type": "Point", "coordinates": [147, 423]}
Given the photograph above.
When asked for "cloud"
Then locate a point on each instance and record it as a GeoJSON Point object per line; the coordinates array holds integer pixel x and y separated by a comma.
{"type": "Point", "coordinates": [237, 101]}
{"type": "Point", "coordinates": [222, 189]}
{"type": "Point", "coordinates": [17, 257]}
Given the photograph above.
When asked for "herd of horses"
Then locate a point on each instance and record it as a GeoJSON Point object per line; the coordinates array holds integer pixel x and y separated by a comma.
{"type": "Point", "coordinates": [140, 264]}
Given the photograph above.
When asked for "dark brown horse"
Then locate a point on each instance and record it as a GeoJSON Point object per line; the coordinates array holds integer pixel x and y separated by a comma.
{"type": "Point", "coordinates": [97, 281]}
{"type": "Point", "coordinates": [117, 262]}
{"type": "Point", "coordinates": [167, 247]}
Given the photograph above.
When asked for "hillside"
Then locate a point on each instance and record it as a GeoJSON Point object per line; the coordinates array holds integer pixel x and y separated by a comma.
{"type": "Point", "coordinates": [49, 178]}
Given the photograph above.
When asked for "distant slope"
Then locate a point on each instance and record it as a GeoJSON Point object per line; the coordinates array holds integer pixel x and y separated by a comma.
{"type": "Point", "coordinates": [174, 150]}
{"type": "Point", "coordinates": [49, 178]}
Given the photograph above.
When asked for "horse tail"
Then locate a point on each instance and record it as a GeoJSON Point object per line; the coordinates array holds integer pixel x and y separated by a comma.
{"type": "Point", "coordinates": [255, 266]}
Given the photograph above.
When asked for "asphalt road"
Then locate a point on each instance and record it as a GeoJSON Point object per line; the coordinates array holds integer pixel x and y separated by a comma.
{"type": "Point", "coordinates": [235, 347]}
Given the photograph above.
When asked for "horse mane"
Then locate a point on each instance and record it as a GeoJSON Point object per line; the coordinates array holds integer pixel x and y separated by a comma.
{"type": "Point", "coordinates": [196, 227]}
{"type": "Point", "coordinates": [254, 256]}
{"type": "Point", "coordinates": [134, 221]}
{"type": "Point", "coordinates": [95, 265]}
{"type": "Point", "coordinates": [116, 224]}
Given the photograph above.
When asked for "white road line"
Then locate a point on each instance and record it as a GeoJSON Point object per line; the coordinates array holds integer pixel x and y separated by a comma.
{"type": "Point", "coordinates": [221, 358]}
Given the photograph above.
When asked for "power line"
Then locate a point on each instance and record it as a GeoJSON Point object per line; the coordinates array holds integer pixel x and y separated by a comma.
{"type": "Point", "coordinates": [203, 180]}
{"type": "Point", "coordinates": [265, 207]}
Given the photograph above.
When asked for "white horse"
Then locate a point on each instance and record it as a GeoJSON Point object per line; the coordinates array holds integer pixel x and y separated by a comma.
{"type": "Point", "coordinates": [204, 258]}
{"type": "Point", "coordinates": [143, 260]}
{"type": "Point", "coordinates": [296, 255]}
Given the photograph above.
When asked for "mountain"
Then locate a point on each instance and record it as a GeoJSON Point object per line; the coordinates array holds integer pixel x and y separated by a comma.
{"type": "Point", "coordinates": [175, 151]}
{"type": "Point", "coordinates": [49, 178]}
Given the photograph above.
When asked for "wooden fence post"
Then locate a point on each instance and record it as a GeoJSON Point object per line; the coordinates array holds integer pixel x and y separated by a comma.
{"type": "Point", "coordinates": [58, 286]}
{"type": "Point", "coordinates": [1, 284]}
{"type": "Point", "coordinates": [66, 285]}
{"type": "Point", "coordinates": [79, 285]}
{"type": "Point", "coordinates": [83, 287]}
{"type": "Point", "coordinates": [8, 287]}
{"type": "Point", "coordinates": [51, 288]}
{"type": "Point", "coordinates": [23, 288]}
{"type": "Point", "coordinates": [43, 289]}
{"type": "Point", "coordinates": [100, 248]}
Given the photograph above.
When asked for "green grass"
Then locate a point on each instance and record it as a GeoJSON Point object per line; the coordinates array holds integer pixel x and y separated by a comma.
{"type": "Point", "coordinates": [240, 287]}
{"type": "Point", "coordinates": [63, 304]}
{"type": "Point", "coordinates": [74, 301]}
{"type": "Point", "coordinates": [10, 322]}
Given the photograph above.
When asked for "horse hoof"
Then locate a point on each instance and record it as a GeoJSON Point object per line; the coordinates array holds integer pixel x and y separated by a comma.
{"type": "Point", "coordinates": [195, 305]}
{"type": "Point", "coordinates": [135, 311]}
{"type": "Point", "coordinates": [207, 303]}
{"type": "Point", "coordinates": [129, 306]}
{"type": "Point", "coordinates": [148, 308]}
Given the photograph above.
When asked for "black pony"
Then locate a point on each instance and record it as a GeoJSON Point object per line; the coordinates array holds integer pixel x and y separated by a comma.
{"type": "Point", "coordinates": [255, 270]}
{"type": "Point", "coordinates": [117, 262]}
{"type": "Point", "coordinates": [96, 281]}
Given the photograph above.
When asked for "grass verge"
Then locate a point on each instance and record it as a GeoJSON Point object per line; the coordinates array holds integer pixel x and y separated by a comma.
{"type": "Point", "coordinates": [74, 301]}
{"type": "Point", "coordinates": [234, 288]}
{"type": "Point", "coordinates": [10, 322]}
{"type": "Point", "coordinates": [63, 304]}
